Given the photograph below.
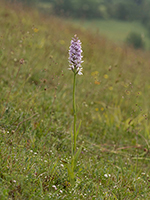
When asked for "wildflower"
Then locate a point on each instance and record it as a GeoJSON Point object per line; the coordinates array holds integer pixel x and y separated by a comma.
{"type": "Point", "coordinates": [54, 186]}
{"type": "Point", "coordinates": [106, 76]}
{"type": "Point", "coordinates": [36, 30]}
{"type": "Point", "coordinates": [95, 73]}
{"type": "Point", "coordinates": [110, 88]}
{"type": "Point", "coordinates": [107, 175]}
{"type": "Point", "coordinates": [21, 61]}
{"type": "Point", "coordinates": [102, 108]}
{"type": "Point", "coordinates": [75, 58]}
{"type": "Point", "coordinates": [127, 92]}
{"type": "Point", "coordinates": [139, 93]}
{"type": "Point", "coordinates": [97, 83]}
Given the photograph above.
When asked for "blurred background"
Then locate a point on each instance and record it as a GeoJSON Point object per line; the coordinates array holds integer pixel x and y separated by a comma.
{"type": "Point", "coordinates": [120, 20]}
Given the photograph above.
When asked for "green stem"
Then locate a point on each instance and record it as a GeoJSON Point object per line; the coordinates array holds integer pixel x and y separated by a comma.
{"type": "Point", "coordinates": [74, 112]}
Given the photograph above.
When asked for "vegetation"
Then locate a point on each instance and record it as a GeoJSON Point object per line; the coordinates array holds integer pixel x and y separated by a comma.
{"type": "Point", "coordinates": [104, 9]}
{"type": "Point", "coordinates": [115, 30]}
{"type": "Point", "coordinates": [36, 112]}
{"type": "Point", "coordinates": [135, 40]}
{"type": "Point", "coordinates": [118, 9]}
{"type": "Point", "coordinates": [124, 11]}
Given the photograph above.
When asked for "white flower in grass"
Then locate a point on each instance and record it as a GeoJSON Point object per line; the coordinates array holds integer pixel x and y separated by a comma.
{"type": "Point", "coordinates": [107, 175]}
{"type": "Point", "coordinates": [54, 186]}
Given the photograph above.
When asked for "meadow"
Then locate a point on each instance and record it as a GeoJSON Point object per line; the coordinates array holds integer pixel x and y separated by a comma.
{"type": "Point", "coordinates": [115, 30]}
{"type": "Point", "coordinates": [36, 113]}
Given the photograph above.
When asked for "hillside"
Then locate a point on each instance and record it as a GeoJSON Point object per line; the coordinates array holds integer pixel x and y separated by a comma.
{"type": "Point", "coordinates": [36, 112]}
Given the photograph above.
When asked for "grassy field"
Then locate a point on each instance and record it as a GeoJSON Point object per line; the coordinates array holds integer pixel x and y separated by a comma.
{"type": "Point", "coordinates": [115, 30]}
{"type": "Point", "coordinates": [36, 113]}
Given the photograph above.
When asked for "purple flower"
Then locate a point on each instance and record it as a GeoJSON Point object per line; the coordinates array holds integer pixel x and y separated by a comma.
{"type": "Point", "coordinates": [75, 58]}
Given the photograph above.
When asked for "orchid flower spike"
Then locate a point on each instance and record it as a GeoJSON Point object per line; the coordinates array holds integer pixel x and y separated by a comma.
{"type": "Point", "coordinates": [75, 57]}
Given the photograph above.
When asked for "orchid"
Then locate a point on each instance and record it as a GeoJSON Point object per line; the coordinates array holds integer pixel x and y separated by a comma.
{"type": "Point", "coordinates": [75, 57]}
{"type": "Point", "coordinates": [75, 60]}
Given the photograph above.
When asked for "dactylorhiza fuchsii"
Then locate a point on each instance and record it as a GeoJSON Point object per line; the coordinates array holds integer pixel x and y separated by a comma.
{"type": "Point", "coordinates": [75, 61]}
{"type": "Point", "coordinates": [75, 57]}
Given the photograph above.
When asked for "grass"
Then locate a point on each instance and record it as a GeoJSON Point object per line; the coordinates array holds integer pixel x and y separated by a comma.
{"type": "Point", "coordinates": [36, 112]}
{"type": "Point", "coordinates": [115, 30]}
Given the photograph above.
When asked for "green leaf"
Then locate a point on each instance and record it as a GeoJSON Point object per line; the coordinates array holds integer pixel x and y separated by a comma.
{"type": "Point", "coordinates": [77, 156]}
{"type": "Point", "coordinates": [78, 129]}
{"type": "Point", "coordinates": [71, 141]}
{"type": "Point", "coordinates": [71, 173]}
